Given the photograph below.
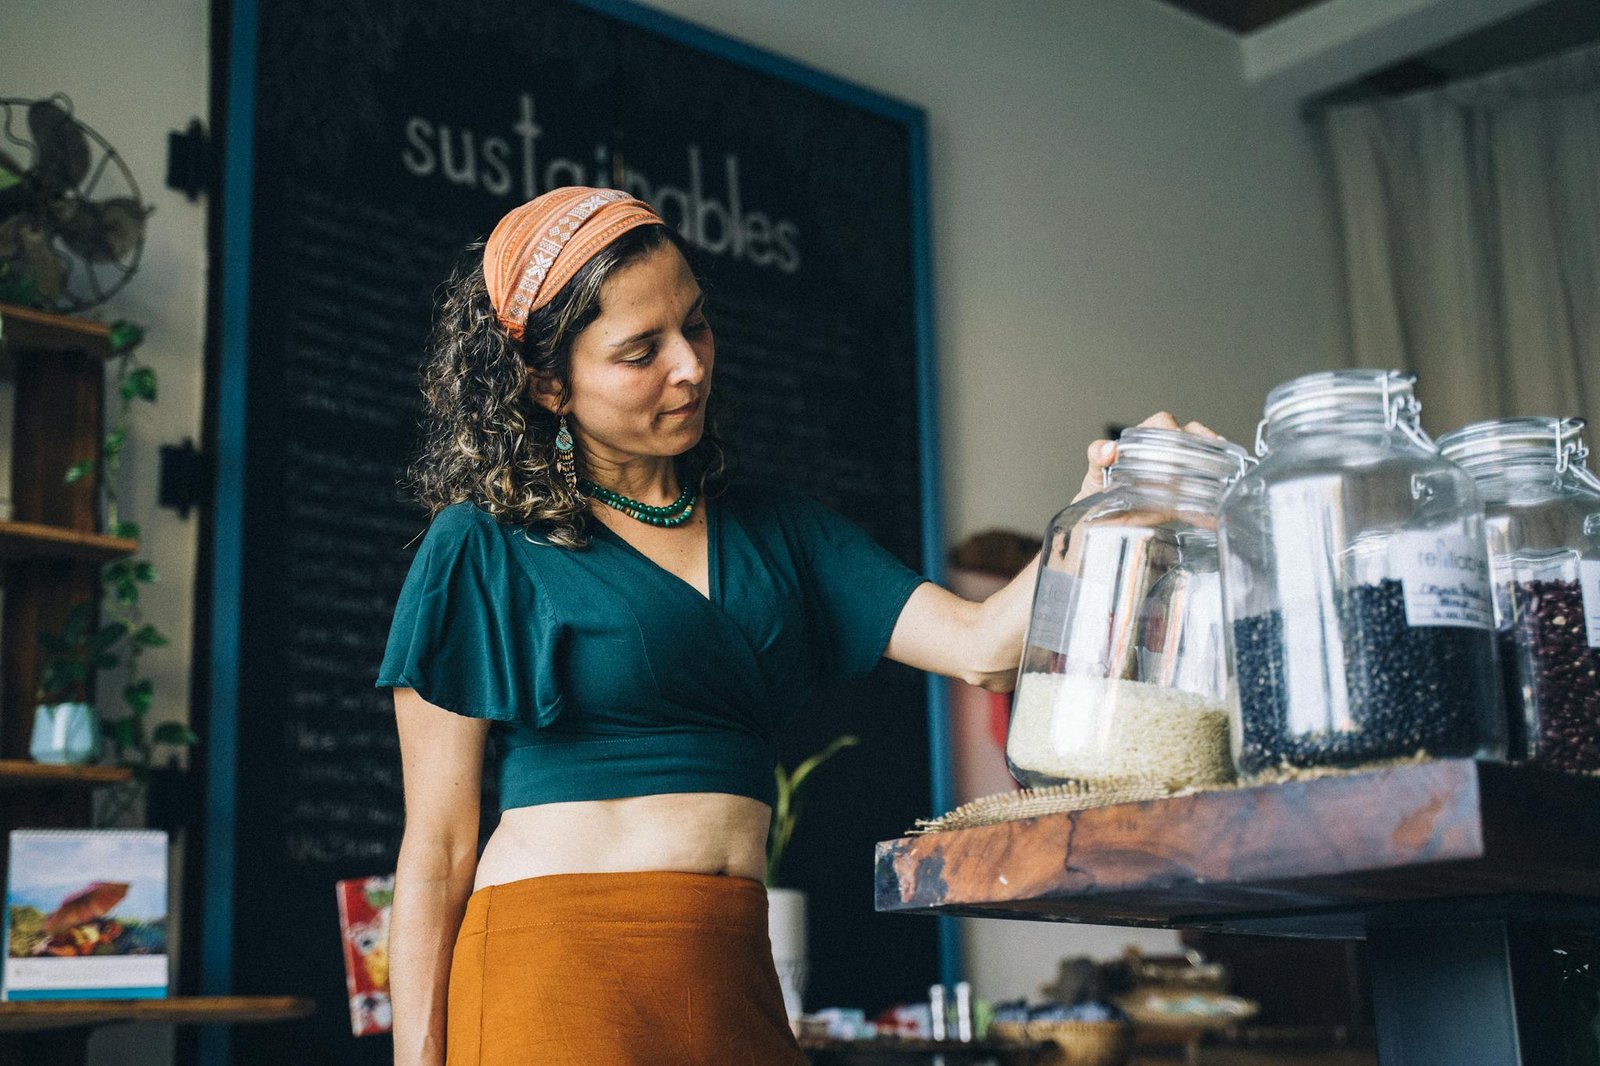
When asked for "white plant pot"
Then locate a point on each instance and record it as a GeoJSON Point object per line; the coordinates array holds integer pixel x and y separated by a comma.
{"type": "Point", "coordinates": [64, 733]}
{"type": "Point", "coordinates": [786, 928]}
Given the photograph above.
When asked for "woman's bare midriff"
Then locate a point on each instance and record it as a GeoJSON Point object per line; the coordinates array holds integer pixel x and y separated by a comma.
{"type": "Point", "coordinates": [688, 832]}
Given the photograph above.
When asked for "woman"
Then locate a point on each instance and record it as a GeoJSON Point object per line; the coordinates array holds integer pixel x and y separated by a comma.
{"type": "Point", "coordinates": [634, 631]}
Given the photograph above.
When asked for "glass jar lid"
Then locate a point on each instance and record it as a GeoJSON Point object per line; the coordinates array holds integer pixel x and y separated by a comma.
{"type": "Point", "coordinates": [1174, 453]}
{"type": "Point", "coordinates": [1386, 396]}
{"type": "Point", "coordinates": [1512, 440]}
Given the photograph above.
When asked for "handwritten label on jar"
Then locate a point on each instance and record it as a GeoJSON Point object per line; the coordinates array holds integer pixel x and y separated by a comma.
{"type": "Point", "coordinates": [1052, 610]}
{"type": "Point", "coordinates": [1445, 577]}
{"type": "Point", "coordinates": [1589, 577]}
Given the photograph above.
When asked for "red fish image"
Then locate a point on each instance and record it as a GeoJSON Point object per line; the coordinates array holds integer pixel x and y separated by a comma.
{"type": "Point", "coordinates": [85, 906]}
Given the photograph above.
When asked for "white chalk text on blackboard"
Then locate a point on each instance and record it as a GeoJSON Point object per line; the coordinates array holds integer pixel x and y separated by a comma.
{"type": "Point", "coordinates": [720, 227]}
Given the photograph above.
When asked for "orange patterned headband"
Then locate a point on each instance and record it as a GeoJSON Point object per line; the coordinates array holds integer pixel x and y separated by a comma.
{"type": "Point", "coordinates": [537, 247]}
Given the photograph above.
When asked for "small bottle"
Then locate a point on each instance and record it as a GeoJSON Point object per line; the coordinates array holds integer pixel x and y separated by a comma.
{"type": "Point", "coordinates": [964, 1011]}
{"type": "Point", "coordinates": [936, 1010]}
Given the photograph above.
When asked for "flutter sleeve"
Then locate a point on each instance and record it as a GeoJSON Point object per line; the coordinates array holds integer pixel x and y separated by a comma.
{"type": "Point", "coordinates": [470, 632]}
{"type": "Point", "coordinates": [855, 588]}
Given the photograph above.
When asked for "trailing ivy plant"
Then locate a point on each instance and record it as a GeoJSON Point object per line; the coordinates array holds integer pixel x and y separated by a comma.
{"type": "Point", "coordinates": [135, 382]}
{"type": "Point", "coordinates": [120, 641]}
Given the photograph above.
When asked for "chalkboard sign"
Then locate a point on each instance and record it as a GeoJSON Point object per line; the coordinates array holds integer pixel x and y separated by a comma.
{"type": "Point", "coordinates": [387, 134]}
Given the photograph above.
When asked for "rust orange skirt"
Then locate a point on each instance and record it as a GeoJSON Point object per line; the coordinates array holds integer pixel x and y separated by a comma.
{"type": "Point", "coordinates": [617, 969]}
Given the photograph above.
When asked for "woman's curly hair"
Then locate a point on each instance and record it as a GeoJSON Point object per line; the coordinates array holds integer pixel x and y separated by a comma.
{"type": "Point", "coordinates": [485, 439]}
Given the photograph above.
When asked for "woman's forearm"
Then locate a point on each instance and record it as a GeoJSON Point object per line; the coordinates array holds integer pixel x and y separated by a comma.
{"type": "Point", "coordinates": [432, 883]}
{"type": "Point", "coordinates": [1001, 628]}
{"type": "Point", "coordinates": [979, 643]}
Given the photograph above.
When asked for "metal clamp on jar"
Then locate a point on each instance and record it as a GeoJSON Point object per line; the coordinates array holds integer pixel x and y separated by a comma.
{"type": "Point", "coordinates": [1542, 509]}
{"type": "Point", "coordinates": [1357, 585]}
{"type": "Point", "coordinates": [1123, 676]}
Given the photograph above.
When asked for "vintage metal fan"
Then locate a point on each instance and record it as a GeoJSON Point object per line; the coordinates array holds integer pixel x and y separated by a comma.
{"type": "Point", "coordinates": [71, 219]}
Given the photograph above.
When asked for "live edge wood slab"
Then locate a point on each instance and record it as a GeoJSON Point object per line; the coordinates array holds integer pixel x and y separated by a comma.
{"type": "Point", "coordinates": [1328, 857]}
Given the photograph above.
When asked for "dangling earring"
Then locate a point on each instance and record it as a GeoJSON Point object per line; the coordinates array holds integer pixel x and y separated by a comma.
{"type": "Point", "coordinates": [565, 463]}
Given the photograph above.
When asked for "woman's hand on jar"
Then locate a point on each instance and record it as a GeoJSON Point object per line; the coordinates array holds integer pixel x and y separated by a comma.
{"type": "Point", "coordinates": [981, 643]}
{"type": "Point", "coordinates": [1102, 453]}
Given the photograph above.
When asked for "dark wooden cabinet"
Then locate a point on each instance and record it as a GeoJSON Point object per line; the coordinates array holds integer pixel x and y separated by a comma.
{"type": "Point", "coordinates": [51, 546]}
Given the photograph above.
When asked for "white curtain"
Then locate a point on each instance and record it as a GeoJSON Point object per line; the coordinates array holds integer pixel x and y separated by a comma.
{"type": "Point", "coordinates": [1471, 219]}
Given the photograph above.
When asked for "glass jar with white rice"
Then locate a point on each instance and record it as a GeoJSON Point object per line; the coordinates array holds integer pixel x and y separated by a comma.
{"type": "Point", "coordinates": [1123, 677]}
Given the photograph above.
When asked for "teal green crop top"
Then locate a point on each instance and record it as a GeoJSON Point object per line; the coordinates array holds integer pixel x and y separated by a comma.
{"type": "Point", "coordinates": [605, 675]}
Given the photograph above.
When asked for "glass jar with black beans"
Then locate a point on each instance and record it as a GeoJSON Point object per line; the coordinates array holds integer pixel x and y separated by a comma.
{"type": "Point", "coordinates": [1542, 522]}
{"type": "Point", "coordinates": [1123, 678]}
{"type": "Point", "coordinates": [1356, 585]}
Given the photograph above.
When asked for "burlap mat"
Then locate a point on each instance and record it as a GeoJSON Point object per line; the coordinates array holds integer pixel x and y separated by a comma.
{"type": "Point", "coordinates": [1059, 799]}
{"type": "Point", "coordinates": [1033, 802]}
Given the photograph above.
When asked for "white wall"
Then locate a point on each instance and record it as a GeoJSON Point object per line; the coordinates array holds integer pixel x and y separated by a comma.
{"type": "Point", "coordinates": [135, 71]}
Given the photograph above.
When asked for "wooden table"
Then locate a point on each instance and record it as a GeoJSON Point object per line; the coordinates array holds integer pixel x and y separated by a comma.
{"type": "Point", "coordinates": [1456, 873]}
{"type": "Point", "coordinates": [57, 1031]}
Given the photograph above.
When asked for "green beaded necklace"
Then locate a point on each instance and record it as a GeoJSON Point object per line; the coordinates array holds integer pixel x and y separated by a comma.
{"type": "Point", "coordinates": [673, 514]}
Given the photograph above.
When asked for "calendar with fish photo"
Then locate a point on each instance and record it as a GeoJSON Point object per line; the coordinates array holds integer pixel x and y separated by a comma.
{"type": "Point", "coordinates": [86, 915]}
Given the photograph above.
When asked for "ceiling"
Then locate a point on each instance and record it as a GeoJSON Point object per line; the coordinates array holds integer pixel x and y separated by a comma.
{"type": "Point", "coordinates": [1242, 16]}
{"type": "Point", "coordinates": [1546, 30]}
{"type": "Point", "coordinates": [1543, 30]}
{"type": "Point", "coordinates": [1540, 31]}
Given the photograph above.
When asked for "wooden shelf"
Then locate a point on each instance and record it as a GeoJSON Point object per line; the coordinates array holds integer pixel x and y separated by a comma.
{"type": "Point", "coordinates": [180, 1010]}
{"type": "Point", "coordinates": [27, 330]}
{"type": "Point", "coordinates": [33, 540]}
{"type": "Point", "coordinates": [21, 773]}
{"type": "Point", "coordinates": [1331, 857]}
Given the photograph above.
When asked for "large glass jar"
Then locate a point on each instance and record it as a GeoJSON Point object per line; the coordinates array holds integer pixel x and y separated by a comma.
{"type": "Point", "coordinates": [1123, 676]}
{"type": "Point", "coordinates": [1542, 509]}
{"type": "Point", "coordinates": [1357, 586]}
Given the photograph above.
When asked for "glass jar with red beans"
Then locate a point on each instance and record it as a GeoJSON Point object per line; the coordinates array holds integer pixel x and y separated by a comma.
{"type": "Point", "coordinates": [1542, 510]}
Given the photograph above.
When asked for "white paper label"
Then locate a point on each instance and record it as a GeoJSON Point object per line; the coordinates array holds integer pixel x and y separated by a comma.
{"type": "Point", "coordinates": [1589, 578]}
{"type": "Point", "coordinates": [1445, 577]}
{"type": "Point", "coordinates": [1053, 604]}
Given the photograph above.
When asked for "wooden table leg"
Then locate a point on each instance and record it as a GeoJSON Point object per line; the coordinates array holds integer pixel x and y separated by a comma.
{"type": "Point", "coordinates": [1488, 993]}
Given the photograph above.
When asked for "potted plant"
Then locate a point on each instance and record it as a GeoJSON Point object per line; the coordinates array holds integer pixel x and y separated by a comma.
{"type": "Point", "coordinates": [119, 643]}
{"type": "Point", "coordinates": [786, 907]}
{"type": "Point", "coordinates": [65, 730]}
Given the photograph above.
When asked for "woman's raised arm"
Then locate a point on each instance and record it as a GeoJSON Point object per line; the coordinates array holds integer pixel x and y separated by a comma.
{"type": "Point", "coordinates": [441, 755]}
